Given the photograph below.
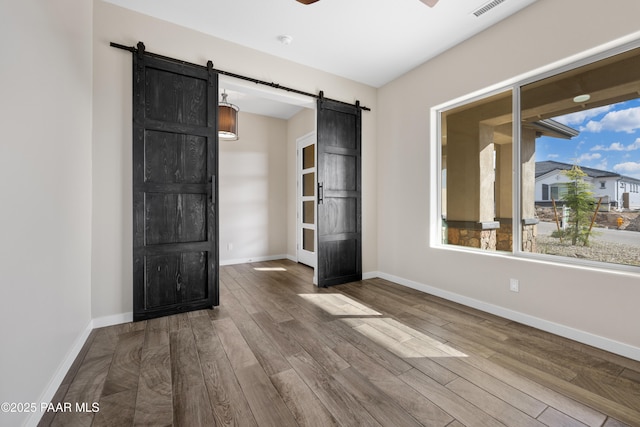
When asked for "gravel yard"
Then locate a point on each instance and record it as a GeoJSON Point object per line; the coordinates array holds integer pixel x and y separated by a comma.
{"type": "Point", "coordinates": [616, 253]}
{"type": "Point", "coordinates": [599, 249]}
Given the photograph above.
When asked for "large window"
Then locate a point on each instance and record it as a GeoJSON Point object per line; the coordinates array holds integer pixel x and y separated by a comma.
{"type": "Point", "coordinates": [476, 169]}
{"type": "Point", "coordinates": [577, 151]}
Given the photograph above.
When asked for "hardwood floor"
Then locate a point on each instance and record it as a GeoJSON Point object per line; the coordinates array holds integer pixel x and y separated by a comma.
{"type": "Point", "coordinates": [281, 352]}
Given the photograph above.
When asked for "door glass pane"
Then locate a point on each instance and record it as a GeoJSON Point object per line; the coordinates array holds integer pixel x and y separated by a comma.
{"type": "Point", "coordinates": [308, 156]}
{"type": "Point", "coordinates": [307, 239]}
{"type": "Point", "coordinates": [308, 211]}
{"type": "Point", "coordinates": [308, 184]}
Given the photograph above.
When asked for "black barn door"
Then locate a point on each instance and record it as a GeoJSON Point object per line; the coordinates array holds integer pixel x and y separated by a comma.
{"type": "Point", "coordinates": [175, 163]}
{"type": "Point", "coordinates": [339, 225]}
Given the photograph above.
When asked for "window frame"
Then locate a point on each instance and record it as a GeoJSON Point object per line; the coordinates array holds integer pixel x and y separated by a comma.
{"type": "Point", "coordinates": [560, 189]}
{"type": "Point", "coordinates": [514, 85]}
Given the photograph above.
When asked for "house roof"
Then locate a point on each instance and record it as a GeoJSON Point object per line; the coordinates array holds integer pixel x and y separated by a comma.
{"type": "Point", "coordinates": [543, 168]}
{"type": "Point", "coordinates": [554, 129]}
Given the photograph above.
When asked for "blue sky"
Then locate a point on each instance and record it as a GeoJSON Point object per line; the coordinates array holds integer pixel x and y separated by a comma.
{"type": "Point", "coordinates": [609, 139]}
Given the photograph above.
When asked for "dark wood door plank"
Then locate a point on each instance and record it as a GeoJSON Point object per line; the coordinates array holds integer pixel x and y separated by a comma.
{"type": "Point", "coordinates": [339, 203]}
{"type": "Point", "coordinates": [175, 163]}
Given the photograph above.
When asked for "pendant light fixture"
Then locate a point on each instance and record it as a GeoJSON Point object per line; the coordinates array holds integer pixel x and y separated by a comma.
{"type": "Point", "coordinates": [227, 119]}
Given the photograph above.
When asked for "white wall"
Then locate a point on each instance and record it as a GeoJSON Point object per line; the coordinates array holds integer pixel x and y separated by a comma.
{"type": "Point", "coordinates": [590, 304]}
{"type": "Point", "coordinates": [45, 185]}
{"type": "Point", "coordinates": [253, 191]}
{"type": "Point", "coordinates": [634, 194]}
{"type": "Point", "coordinates": [111, 270]}
{"type": "Point", "coordinates": [549, 179]}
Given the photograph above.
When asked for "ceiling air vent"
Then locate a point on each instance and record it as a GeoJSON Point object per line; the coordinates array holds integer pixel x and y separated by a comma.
{"type": "Point", "coordinates": [487, 7]}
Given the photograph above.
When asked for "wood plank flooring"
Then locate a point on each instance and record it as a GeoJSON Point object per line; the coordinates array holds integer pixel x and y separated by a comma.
{"type": "Point", "coordinates": [281, 352]}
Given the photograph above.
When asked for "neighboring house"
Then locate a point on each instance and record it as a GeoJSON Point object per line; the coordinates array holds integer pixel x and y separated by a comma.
{"type": "Point", "coordinates": [617, 191]}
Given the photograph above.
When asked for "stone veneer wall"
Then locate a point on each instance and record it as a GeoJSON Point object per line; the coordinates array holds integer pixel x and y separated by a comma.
{"type": "Point", "coordinates": [529, 236]}
{"type": "Point", "coordinates": [500, 238]}
{"type": "Point", "coordinates": [504, 236]}
{"type": "Point", "coordinates": [471, 237]}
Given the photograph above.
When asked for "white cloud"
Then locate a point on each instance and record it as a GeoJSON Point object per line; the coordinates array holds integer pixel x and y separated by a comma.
{"type": "Point", "coordinates": [552, 156]}
{"type": "Point", "coordinates": [618, 121]}
{"type": "Point", "coordinates": [592, 127]}
{"type": "Point", "coordinates": [617, 146]}
{"type": "Point", "coordinates": [628, 167]}
{"type": "Point", "coordinates": [634, 145]}
{"type": "Point", "coordinates": [586, 157]}
{"type": "Point", "coordinates": [579, 117]}
{"type": "Point", "coordinates": [602, 165]}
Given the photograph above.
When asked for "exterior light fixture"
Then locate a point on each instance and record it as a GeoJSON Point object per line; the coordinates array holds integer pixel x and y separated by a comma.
{"type": "Point", "coordinates": [582, 98]}
{"type": "Point", "coordinates": [285, 39]}
{"type": "Point", "coordinates": [227, 120]}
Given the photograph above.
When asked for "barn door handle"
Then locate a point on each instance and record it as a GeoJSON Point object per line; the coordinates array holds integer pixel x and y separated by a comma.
{"type": "Point", "coordinates": [320, 193]}
{"type": "Point", "coordinates": [212, 180]}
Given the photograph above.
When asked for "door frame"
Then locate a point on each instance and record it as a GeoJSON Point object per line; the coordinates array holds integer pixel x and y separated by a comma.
{"type": "Point", "coordinates": [303, 256]}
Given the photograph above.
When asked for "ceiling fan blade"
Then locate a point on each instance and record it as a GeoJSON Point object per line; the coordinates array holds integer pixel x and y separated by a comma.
{"type": "Point", "coordinates": [309, 1]}
{"type": "Point", "coordinates": [429, 3]}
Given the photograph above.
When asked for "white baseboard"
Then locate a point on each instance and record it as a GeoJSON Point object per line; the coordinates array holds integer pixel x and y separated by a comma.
{"type": "Point", "coordinates": [114, 319]}
{"type": "Point", "coordinates": [370, 275]}
{"type": "Point", "coordinates": [64, 367]}
{"type": "Point", "coordinates": [603, 343]}
{"type": "Point", "coordinates": [254, 259]}
{"type": "Point", "coordinates": [60, 373]}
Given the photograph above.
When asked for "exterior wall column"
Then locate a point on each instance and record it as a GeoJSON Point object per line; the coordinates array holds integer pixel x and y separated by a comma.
{"type": "Point", "coordinates": [527, 192]}
{"type": "Point", "coordinates": [470, 185]}
{"type": "Point", "coordinates": [504, 196]}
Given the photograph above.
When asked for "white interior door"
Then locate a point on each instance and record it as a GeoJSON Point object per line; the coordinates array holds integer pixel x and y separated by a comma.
{"type": "Point", "coordinates": [306, 205]}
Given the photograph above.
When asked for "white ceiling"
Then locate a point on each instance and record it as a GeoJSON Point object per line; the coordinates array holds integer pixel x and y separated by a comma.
{"type": "Point", "coordinates": [369, 41]}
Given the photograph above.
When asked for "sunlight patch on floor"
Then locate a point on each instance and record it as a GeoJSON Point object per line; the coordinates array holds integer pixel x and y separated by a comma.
{"type": "Point", "coordinates": [339, 305]}
{"type": "Point", "coordinates": [395, 336]}
{"type": "Point", "coordinates": [403, 340]}
{"type": "Point", "coordinates": [270, 269]}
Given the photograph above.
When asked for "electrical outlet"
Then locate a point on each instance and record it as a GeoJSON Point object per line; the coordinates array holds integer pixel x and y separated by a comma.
{"type": "Point", "coordinates": [514, 285]}
{"type": "Point", "coordinates": [229, 247]}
